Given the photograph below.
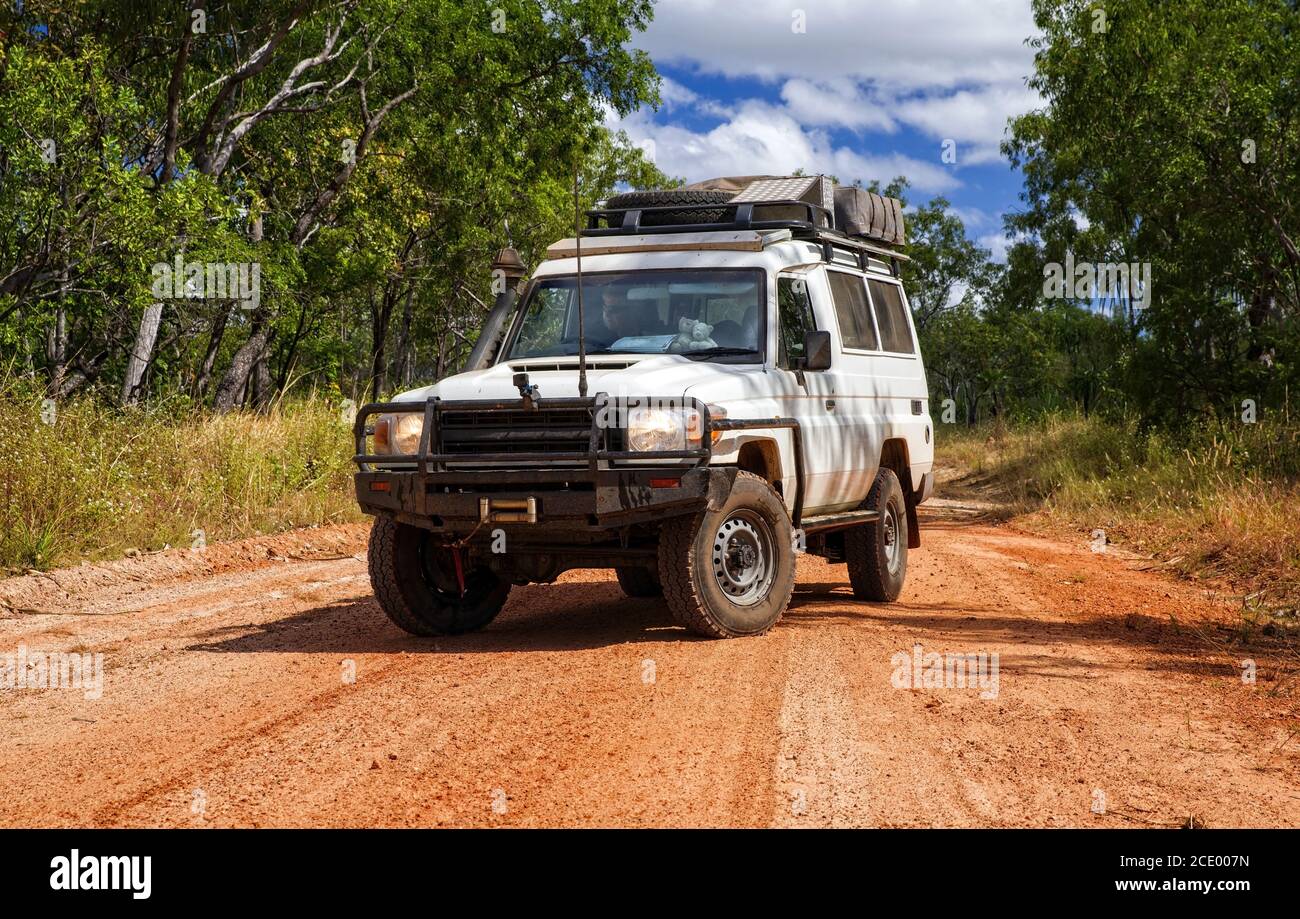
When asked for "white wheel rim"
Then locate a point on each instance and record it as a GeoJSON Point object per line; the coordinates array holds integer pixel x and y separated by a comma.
{"type": "Point", "coordinates": [893, 546]}
{"type": "Point", "coordinates": [742, 558]}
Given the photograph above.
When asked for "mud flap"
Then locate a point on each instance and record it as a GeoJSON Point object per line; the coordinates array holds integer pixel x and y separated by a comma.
{"type": "Point", "coordinates": [913, 524]}
{"type": "Point", "coordinates": [721, 478]}
{"type": "Point", "coordinates": [913, 499]}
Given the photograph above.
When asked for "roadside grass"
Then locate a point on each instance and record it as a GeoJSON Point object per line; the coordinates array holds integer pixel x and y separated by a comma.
{"type": "Point", "coordinates": [95, 482]}
{"type": "Point", "coordinates": [1210, 501]}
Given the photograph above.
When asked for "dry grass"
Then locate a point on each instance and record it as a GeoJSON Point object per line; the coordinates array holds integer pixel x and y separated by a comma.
{"type": "Point", "coordinates": [1209, 502]}
{"type": "Point", "coordinates": [99, 482]}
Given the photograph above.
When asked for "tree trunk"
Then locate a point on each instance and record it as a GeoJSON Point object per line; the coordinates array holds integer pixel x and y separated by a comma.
{"type": "Point", "coordinates": [57, 352]}
{"type": "Point", "coordinates": [210, 357]}
{"type": "Point", "coordinates": [404, 359]}
{"type": "Point", "coordinates": [380, 320]}
{"type": "Point", "coordinates": [141, 353]}
{"type": "Point", "coordinates": [260, 381]}
{"type": "Point", "coordinates": [441, 367]}
{"type": "Point", "coordinates": [1262, 301]}
{"type": "Point", "coordinates": [230, 390]}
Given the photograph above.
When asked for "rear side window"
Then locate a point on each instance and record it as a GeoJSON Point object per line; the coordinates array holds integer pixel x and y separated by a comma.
{"type": "Point", "coordinates": [851, 308]}
{"type": "Point", "coordinates": [891, 316]}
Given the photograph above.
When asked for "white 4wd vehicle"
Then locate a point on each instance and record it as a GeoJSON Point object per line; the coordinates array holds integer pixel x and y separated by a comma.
{"type": "Point", "coordinates": [744, 385]}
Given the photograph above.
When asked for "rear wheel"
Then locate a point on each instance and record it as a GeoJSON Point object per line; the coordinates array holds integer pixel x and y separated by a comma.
{"type": "Point", "coordinates": [415, 582]}
{"type": "Point", "coordinates": [876, 552]}
{"type": "Point", "coordinates": [639, 581]}
{"type": "Point", "coordinates": [730, 573]}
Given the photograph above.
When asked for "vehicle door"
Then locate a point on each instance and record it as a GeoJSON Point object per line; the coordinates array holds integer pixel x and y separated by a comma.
{"type": "Point", "coordinates": [858, 396]}
{"type": "Point", "coordinates": [807, 395]}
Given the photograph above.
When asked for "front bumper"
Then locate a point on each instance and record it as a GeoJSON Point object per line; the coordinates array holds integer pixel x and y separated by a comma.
{"type": "Point", "coordinates": [556, 500]}
{"type": "Point", "coordinates": [593, 487]}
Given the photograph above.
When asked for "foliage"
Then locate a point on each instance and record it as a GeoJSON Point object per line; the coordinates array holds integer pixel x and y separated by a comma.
{"type": "Point", "coordinates": [1212, 499]}
{"type": "Point", "coordinates": [91, 480]}
{"type": "Point", "coordinates": [370, 156]}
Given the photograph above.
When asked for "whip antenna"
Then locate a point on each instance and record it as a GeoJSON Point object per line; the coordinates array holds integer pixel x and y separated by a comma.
{"type": "Point", "coordinates": [582, 319]}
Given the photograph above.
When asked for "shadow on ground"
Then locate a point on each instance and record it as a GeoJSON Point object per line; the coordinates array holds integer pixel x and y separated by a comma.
{"type": "Point", "coordinates": [577, 616]}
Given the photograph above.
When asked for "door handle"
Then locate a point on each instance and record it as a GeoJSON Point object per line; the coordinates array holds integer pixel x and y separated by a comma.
{"type": "Point", "coordinates": [830, 405]}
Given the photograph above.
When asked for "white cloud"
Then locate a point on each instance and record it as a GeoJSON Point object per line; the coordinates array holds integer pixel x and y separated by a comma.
{"type": "Point", "coordinates": [975, 119]}
{"type": "Point", "coordinates": [840, 103]}
{"type": "Point", "coordinates": [899, 45]}
{"type": "Point", "coordinates": [973, 218]}
{"type": "Point", "coordinates": [675, 94]}
{"type": "Point", "coordinates": [940, 69]}
{"type": "Point", "coordinates": [762, 138]}
{"type": "Point", "coordinates": [997, 243]}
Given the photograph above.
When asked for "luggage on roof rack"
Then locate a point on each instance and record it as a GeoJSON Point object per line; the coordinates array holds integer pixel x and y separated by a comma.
{"type": "Point", "coordinates": [809, 206]}
{"type": "Point", "coordinates": [859, 212]}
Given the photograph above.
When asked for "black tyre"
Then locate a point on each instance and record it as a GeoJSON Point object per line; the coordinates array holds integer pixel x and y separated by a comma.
{"type": "Point", "coordinates": [670, 198]}
{"type": "Point", "coordinates": [877, 552]}
{"type": "Point", "coordinates": [639, 581]}
{"type": "Point", "coordinates": [415, 583]}
{"type": "Point", "coordinates": [729, 573]}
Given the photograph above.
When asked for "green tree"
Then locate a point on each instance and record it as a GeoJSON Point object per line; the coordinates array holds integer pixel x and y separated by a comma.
{"type": "Point", "coordinates": [1170, 134]}
{"type": "Point", "coordinates": [369, 155]}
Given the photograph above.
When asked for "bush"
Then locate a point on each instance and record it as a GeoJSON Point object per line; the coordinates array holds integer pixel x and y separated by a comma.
{"type": "Point", "coordinates": [1220, 499]}
{"type": "Point", "coordinates": [91, 482]}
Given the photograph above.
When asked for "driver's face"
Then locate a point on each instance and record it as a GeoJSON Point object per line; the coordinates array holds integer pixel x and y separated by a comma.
{"type": "Point", "coordinates": [618, 315]}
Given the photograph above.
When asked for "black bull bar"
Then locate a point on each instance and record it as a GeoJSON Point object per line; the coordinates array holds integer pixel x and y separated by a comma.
{"type": "Point", "coordinates": [433, 483]}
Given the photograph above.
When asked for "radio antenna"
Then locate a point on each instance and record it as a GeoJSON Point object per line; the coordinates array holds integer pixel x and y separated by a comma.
{"type": "Point", "coordinates": [582, 319]}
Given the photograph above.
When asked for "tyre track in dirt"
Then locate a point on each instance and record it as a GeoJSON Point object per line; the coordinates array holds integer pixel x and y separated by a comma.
{"type": "Point", "coordinates": [226, 701]}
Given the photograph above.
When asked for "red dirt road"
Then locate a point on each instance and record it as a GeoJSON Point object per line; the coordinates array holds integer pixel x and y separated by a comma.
{"type": "Point", "coordinates": [226, 701]}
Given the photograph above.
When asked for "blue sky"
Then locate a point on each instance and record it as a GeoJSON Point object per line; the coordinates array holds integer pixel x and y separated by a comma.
{"type": "Point", "coordinates": [862, 89]}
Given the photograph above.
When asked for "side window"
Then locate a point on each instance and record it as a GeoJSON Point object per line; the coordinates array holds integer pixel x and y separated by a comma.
{"type": "Point", "coordinates": [795, 310]}
{"type": "Point", "coordinates": [548, 312]}
{"type": "Point", "coordinates": [891, 316]}
{"type": "Point", "coordinates": [851, 308]}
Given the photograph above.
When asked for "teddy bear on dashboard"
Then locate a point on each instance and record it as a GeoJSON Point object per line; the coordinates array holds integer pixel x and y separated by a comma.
{"type": "Point", "coordinates": [693, 335]}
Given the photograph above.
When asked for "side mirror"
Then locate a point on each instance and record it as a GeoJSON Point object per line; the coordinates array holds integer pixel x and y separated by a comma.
{"type": "Point", "coordinates": [817, 350]}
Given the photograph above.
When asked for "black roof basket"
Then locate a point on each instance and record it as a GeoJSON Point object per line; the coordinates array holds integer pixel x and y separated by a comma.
{"type": "Point", "coordinates": [747, 215]}
{"type": "Point", "coordinates": [813, 222]}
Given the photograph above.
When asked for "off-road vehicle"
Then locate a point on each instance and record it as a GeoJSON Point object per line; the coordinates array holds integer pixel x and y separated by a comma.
{"type": "Point", "coordinates": [699, 386]}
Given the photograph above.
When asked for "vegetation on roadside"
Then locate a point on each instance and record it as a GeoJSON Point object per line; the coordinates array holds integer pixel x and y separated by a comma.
{"type": "Point", "coordinates": [369, 157]}
{"type": "Point", "coordinates": [91, 481]}
{"type": "Point", "coordinates": [1211, 500]}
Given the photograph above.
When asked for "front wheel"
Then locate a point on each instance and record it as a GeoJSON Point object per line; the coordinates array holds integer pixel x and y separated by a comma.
{"type": "Point", "coordinates": [877, 551]}
{"type": "Point", "coordinates": [416, 585]}
{"type": "Point", "coordinates": [730, 573]}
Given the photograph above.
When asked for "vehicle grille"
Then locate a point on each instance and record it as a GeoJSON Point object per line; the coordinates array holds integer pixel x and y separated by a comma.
{"type": "Point", "coordinates": [543, 430]}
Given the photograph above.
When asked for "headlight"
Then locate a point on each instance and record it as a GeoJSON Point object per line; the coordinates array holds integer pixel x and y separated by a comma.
{"type": "Point", "coordinates": [398, 434]}
{"type": "Point", "coordinates": [663, 429]}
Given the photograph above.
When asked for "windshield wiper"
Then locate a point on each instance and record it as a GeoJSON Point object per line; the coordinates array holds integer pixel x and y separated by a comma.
{"type": "Point", "coordinates": [720, 350]}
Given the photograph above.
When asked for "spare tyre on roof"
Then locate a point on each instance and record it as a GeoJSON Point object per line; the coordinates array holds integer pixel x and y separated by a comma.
{"type": "Point", "coordinates": [672, 197]}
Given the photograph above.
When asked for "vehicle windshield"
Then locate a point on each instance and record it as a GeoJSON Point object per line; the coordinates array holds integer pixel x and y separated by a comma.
{"type": "Point", "coordinates": [697, 312]}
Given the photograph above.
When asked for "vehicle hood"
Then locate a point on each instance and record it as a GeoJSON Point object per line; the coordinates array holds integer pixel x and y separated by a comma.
{"type": "Point", "coordinates": [667, 375]}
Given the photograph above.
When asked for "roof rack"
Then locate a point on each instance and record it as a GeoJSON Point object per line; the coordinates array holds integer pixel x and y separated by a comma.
{"type": "Point", "coordinates": [817, 226]}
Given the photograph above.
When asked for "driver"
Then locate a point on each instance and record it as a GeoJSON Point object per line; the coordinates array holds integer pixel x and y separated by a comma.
{"type": "Point", "coordinates": [620, 316]}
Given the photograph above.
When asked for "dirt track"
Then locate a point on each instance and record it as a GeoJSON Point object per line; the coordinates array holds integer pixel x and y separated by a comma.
{"type": "Point", "coordinates": [225, 701]}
